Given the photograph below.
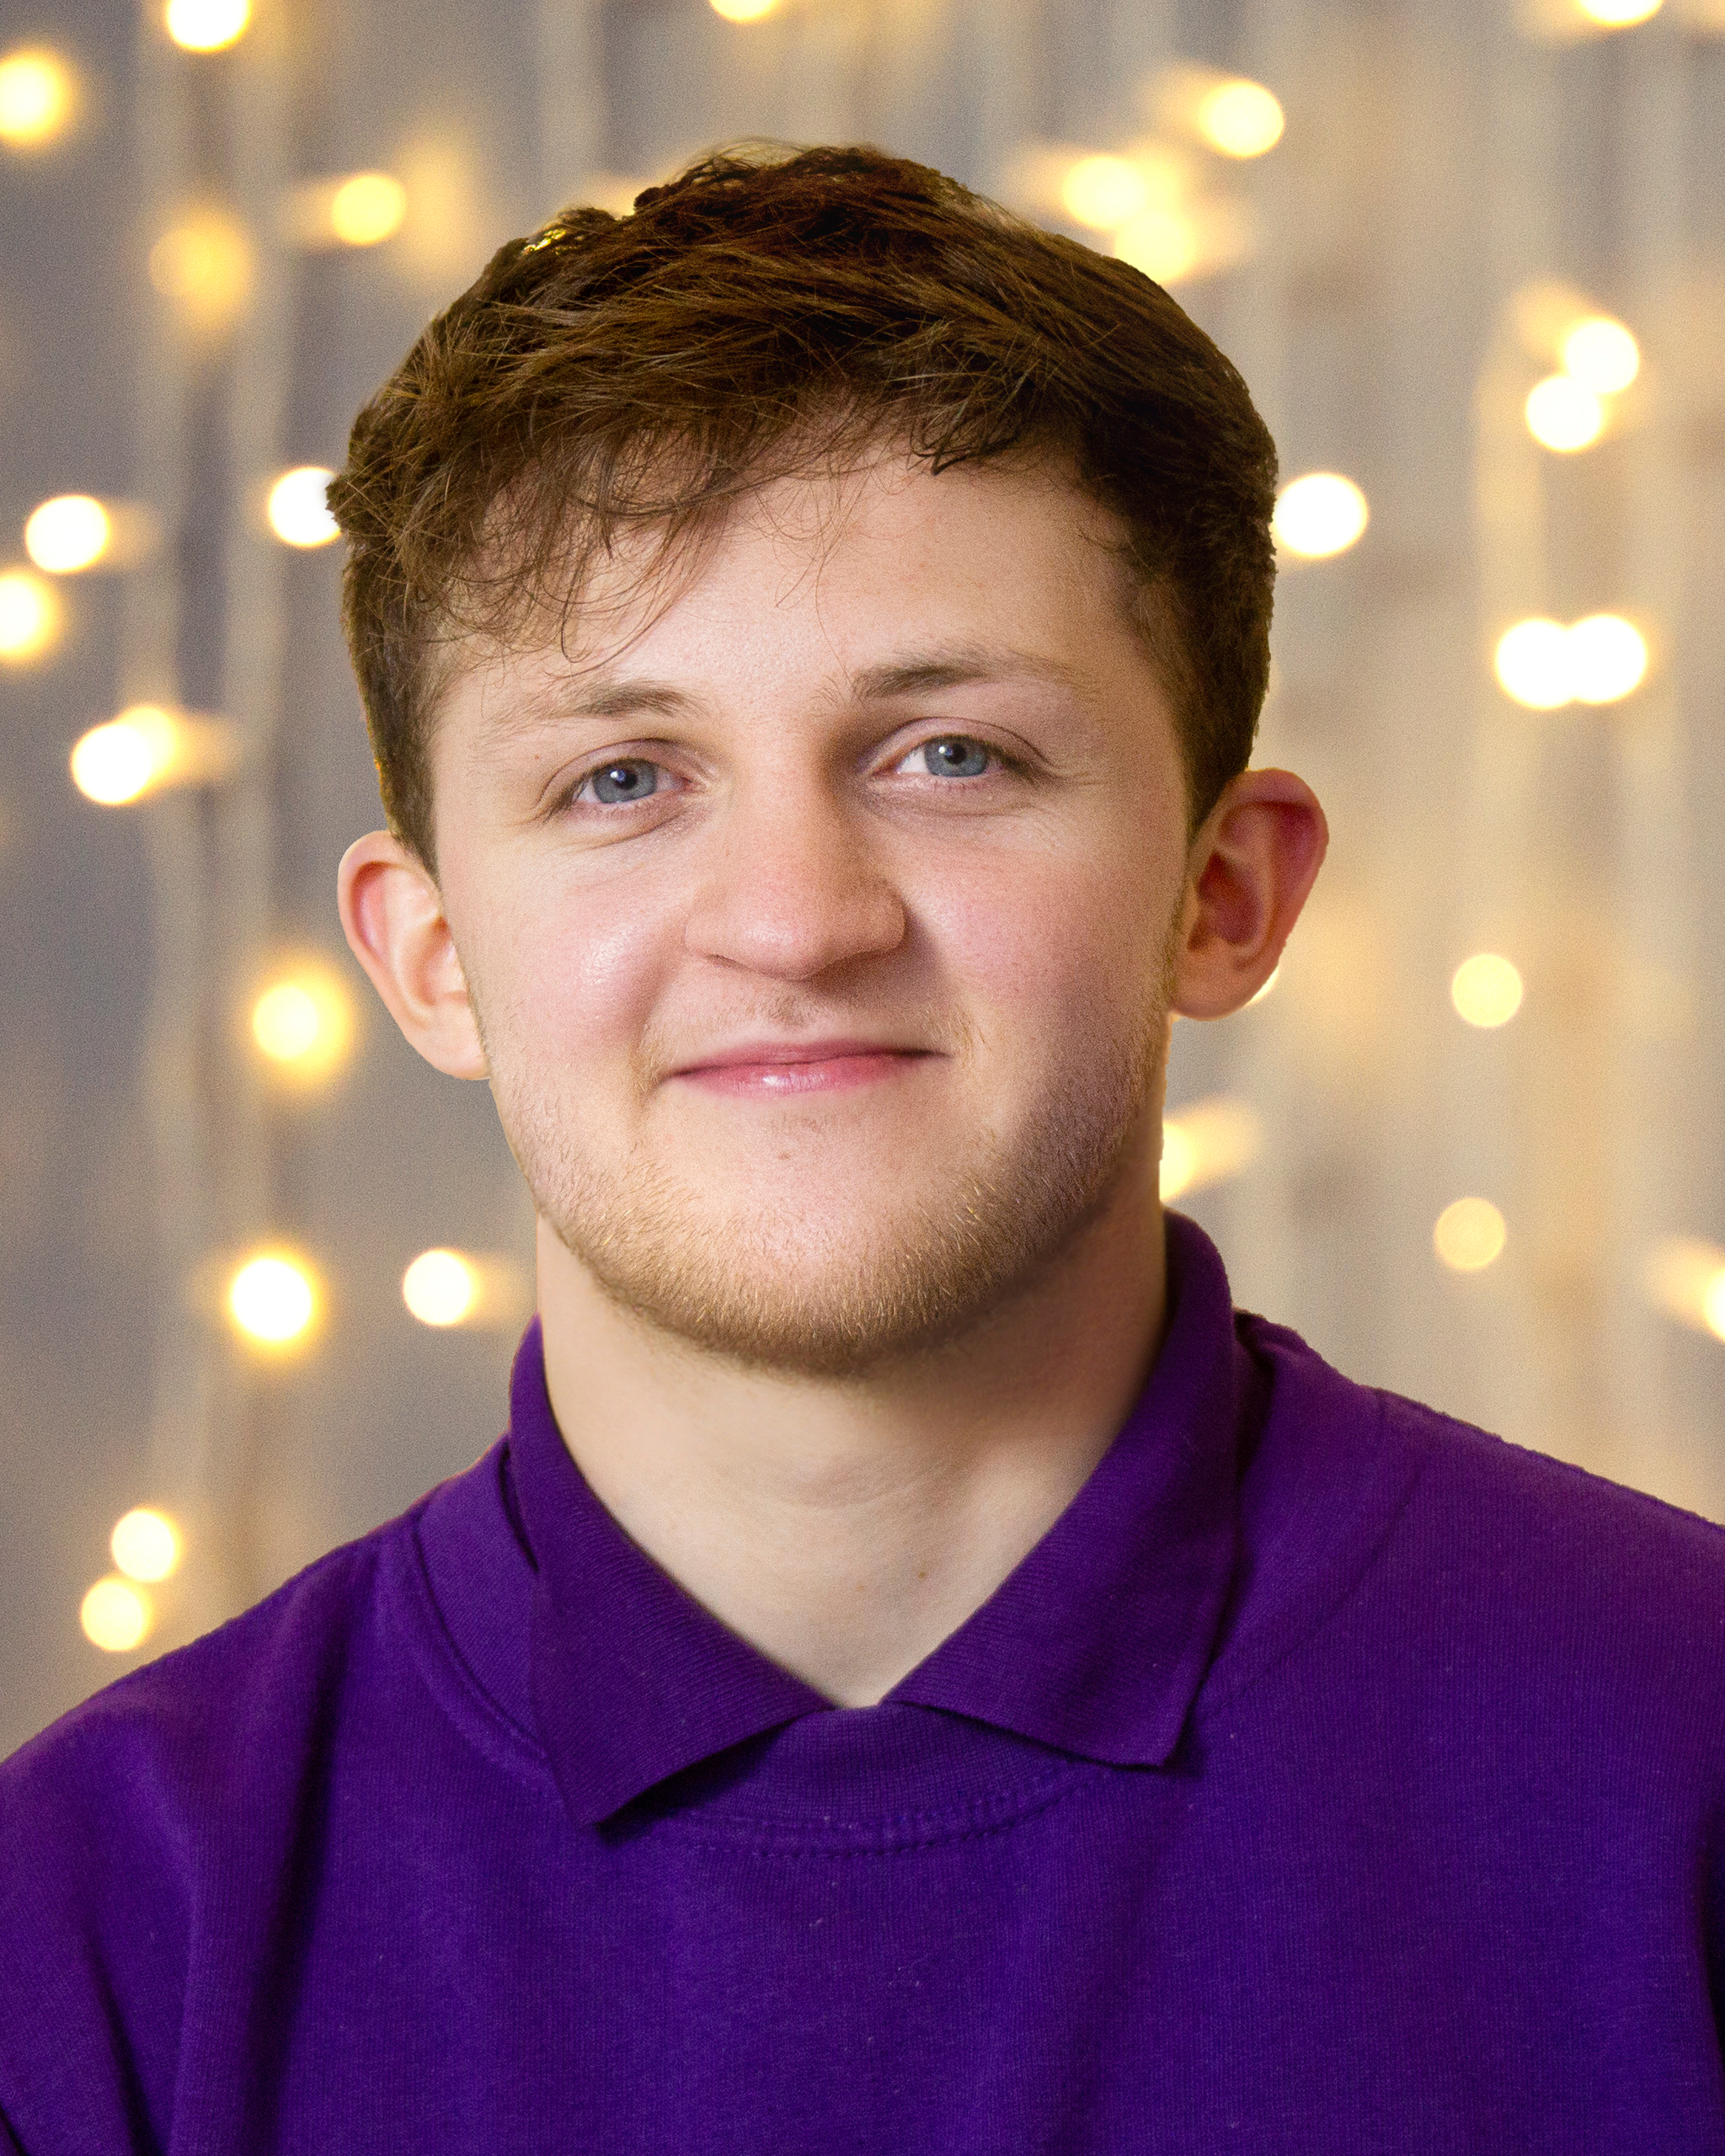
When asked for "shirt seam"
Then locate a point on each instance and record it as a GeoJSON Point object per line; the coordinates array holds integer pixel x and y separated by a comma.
{"type": "Point", "coordinates": [1006, 1802]}
{"type": "Point", "coordinates": [787, 1843]}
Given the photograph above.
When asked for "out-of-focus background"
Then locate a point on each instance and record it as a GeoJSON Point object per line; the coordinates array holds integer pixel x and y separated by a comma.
{"type": "Point", "coordinates": [263, 1270]}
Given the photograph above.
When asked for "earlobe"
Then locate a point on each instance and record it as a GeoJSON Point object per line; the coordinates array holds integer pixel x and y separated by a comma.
{"type": "Point", "coordinates": [392, 913]}
{"type": "Point", "coordinates": [1250, 872]}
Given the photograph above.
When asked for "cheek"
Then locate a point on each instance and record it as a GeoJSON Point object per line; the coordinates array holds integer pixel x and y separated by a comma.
{"type": "Point", "coordinates": [1066, 947]}
{"type": "Point", "coordinates": [566, 977]}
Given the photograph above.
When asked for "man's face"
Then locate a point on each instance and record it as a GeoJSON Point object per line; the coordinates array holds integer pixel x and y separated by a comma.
{"type": "Point", "coordinates": [818, 922]}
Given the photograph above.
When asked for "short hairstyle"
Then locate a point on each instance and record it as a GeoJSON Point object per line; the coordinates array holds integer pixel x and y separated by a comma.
{"type": "Point", "coordinates": [753, 317]}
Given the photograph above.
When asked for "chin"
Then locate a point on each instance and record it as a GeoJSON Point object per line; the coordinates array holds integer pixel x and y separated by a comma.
{"type": "Point", "coordinates": [850, 1291]}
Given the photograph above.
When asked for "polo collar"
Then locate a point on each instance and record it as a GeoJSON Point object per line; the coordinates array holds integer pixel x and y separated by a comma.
{"type": "Point", "coordinates": [1095, 1643]}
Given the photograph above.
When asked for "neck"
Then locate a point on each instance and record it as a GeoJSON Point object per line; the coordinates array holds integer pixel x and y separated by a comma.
{"type": "Point", "coordinates": [845, 1528]}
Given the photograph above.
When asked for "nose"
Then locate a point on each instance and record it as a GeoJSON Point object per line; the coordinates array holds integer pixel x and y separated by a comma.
{"type": "Point", "coordinates": [791, 889]}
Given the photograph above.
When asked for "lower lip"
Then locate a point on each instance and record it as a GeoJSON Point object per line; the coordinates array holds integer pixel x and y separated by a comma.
{"type": "Point", "coordinates": [833, 1074]}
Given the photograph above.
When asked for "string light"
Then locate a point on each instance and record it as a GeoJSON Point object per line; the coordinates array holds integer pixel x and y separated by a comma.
{"type": "Point", "coordinates": [303, 1021]}
{"type": "Point", "coordinates": [37, 93]}
{"type": "Point", "coordinates": [1601, 354]}
{"type": "Point", "coordinates": [116, 1616]}
{"type": "Point", "coordinates": [1240, 118]}
{"type": "Point", "coordinates": [146, 1544]}
{"type": "Point", "coordinates": [1620, 15]}
{"type": "Point", "coordinates": [1207, 1143]}
{"type": "Point", "coordinates": [1486, 990]}
{"type": "Point", "coordinates": [441, 1287]}
{"type": "Point", "coordinates": [68, 533]}
{"type": "Point", "coordinates": [1597, 660]}
{"type": "Point", "coordinates": [1163, 244]}
{"type": "Point", "coordinates": [1319, 515]}
{"type": "Point", "coordinates": [1685, 1277]}
{"type": "Point", "coordinates": [273, 1299]}
{"type": "Point", "coordinates": [367, 208]}
{"type": "Point", "coordinates": [207, 25]}
{"type": "Point", "coordinates": [1470, 1235]}
{"type": "Point", "coordinates": [297, 511]}
{"type": "Point", "coordinates": [1533, 664]}
{"type": "Point", "coordinates": [204, 265]}
{"type": "Point", "coordinates": [29, 616]}
{"type": "Point", "coordinates": [1608, 659]}
{"type": "Point", "coordinates": [1564, 414]}
{"type": "Point", "coordinates": [147, 747]}
{"type": "Point", "coordinates": [743, 11]}
{"type": "Point", "coordinates": [1103, 192]}
{"type": "Point", "coordinates": [124, 758]}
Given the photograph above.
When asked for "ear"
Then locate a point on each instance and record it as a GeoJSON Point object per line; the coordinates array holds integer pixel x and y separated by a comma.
{"type": "Point", "coordinates": [393, 914]}
{"type": "Point", "coordinates": [1249, 871]}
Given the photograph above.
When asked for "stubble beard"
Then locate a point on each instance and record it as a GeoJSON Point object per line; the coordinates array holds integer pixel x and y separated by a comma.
{"type": "Point", "coordinates": [769, 1292]}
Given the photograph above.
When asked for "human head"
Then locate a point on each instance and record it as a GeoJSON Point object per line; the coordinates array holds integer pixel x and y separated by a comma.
{"type": "Point", "coordinates": [762, 314]}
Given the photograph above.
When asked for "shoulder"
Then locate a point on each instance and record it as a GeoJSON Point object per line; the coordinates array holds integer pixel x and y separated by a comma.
{"type": "Point", "coordinates": [1490, 1565]}
{"type": "Point", "coordinates": [184, 1731]}
{"type": "Point", "coordinates": [144, 1820]}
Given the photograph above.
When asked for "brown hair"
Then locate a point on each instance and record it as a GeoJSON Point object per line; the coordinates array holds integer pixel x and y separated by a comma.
{"type": "Point", "coordinates": [760, 314]}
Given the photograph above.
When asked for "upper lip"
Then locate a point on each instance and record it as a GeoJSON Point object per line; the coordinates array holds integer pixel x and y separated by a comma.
{"type": "Point", "coordinates": [798, 1051]}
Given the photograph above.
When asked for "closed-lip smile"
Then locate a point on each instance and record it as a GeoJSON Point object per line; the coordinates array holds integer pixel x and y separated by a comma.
{"type": "Point", "coordinates": [777, 1067]}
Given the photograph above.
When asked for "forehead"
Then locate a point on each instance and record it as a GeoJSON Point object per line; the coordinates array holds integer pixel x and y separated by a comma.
{"type": "Point", "coordinates": [884, 578]}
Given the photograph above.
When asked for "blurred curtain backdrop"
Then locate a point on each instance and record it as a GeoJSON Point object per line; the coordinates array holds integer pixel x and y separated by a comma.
{"type": "Point", "coordinates": [196, 294]}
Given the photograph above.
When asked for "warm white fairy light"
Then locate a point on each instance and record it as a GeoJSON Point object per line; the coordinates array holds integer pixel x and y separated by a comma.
{"type": "Point", "coordinates": [1320, 515]}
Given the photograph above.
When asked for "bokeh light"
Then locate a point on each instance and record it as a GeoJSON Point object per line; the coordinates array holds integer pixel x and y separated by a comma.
{"type": "Point", "coordinates": [29, 616]}
{"type": "Point", "coordinates": [1470, 1235]}
{"type": "Point", "coordinates": [1162, 242]}
{"type": "Point", "coordinates": [302, 1021]}
{"type": "Point", "coordinates": [1486, 990]}
{"type": "Point", "coordinates": [273, 1299]}
{"type": "Point", "coordinates": [367, 208]}
{"type": "Point", "coordinates": [1103, 192]}
{"type": "Point", "coordinates": [1207, 1142]}
{"type": "Point", "coordinates": [204, 265]}
{"type": "Point", "coordinates": [1532, 664]}
{"type": "Point", "coordinates": [441, 1287]}
{"type": "Point", "coordinates": [1684, 1277]}
{"type": "Point", "coordinates": [1608, 659]}
{"type": "Point", "coordinates": [67, 533]}
{"type": "Point", "coordinates": [1601, 354]}
{"type": "Point", "coordinates": [1320, 515]}
{"type": "Point", "coordinates": [1240, 118]}
{"type": "Point", "coordinates": [116, 1616]}
{"type": "Point", "coordinates": [37, 91]}
{"type": "Point", "coordinates": [297, 511]}
{"type": "Point", "coordinates": [744, 11]}
{"type": "Point", "coordinates": [207, 25]}
{"type": "Point", "coordinates": [1564, 414]}
{"type": "Point", "coordinates": [1620, 15]}
{"type": "Point", "coordinates": [126, 757]}
{"type": "Point", "coordinates": [146, 1544]}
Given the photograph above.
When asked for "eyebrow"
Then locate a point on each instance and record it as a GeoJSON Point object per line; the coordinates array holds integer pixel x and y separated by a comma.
{"type": "Point", "coordinates": [917, 674]}
{"type": "Point", "coordinates": [958, 668]}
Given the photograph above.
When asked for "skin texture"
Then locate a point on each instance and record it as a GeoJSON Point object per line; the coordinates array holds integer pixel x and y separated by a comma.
{"type": "Point", "coordinates": [834, 1056]}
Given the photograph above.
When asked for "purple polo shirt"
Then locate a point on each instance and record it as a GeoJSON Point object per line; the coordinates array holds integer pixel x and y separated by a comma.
{"type": "Point", "coordinates": [1329, 1778]}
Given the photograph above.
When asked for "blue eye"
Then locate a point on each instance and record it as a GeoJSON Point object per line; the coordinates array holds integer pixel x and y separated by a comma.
{"type": "Point", "coordinates": [955, 756]}
{"type": "Point", "coordinates": [632, 780]}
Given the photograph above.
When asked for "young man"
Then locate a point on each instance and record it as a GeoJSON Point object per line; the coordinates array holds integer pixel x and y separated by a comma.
{"type": "Point", "coordinates": [921, 1672]}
